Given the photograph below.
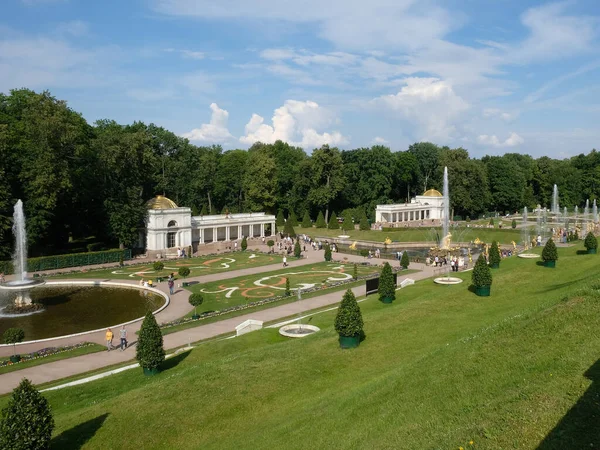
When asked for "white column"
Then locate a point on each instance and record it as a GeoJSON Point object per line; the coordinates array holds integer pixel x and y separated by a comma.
{"type": "Point", "coordinates": [214, 234]}
{"type": "Point", "coordinates": [239, 231]}
{"type": "Point", "coordinates": [201, 237]}
{"type": "Point", "coordinates": [226, 233]}
{"type": "Point", "coordinates": [262, 230]}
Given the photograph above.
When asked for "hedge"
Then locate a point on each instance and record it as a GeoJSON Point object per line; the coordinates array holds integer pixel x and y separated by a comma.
{"type": "Point", "coordinates": [72, 260]}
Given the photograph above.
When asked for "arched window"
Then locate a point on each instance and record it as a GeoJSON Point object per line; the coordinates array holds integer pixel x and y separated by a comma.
{"type": "Point", "coordinates": [172, 223]}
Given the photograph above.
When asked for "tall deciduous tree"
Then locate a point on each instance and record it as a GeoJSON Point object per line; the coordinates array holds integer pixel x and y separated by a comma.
{"type": "Point", "coordinates": [327, 177]}
{"type": "Point", "coordinates": [259, 181]}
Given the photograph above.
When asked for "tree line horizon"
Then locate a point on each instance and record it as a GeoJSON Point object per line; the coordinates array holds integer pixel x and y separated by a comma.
{"type": "Point", "coordinates": [78, 180]}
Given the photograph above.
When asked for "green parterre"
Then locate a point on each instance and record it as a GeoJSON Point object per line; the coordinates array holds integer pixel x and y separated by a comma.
{"type": "Point", "coordinates": [439, 368]}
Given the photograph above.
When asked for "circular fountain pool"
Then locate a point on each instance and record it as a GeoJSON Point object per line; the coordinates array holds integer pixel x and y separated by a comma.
{"type": "Point", "coordinates": [298, 330]}
{"type": "Point", "coordinates": [70, 309]}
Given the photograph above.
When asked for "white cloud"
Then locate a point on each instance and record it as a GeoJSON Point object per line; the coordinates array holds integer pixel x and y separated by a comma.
{"type": "Point", "coordinates": [380, 141]}
{"type": "Point", "coordinates": [295, 122]}
{"type": "Point", "coordinates": [189, 54]}
{"type": "Point", "coordinates": [537, 94]}
{"type": "Point", "coordinates": [492, 140]}
{"type": "Point", "coordinates": [490, 113]}
{"type": "Point", "coordinates": [430, 103]}
{"type": "Point", "coordinates": [214, 132]}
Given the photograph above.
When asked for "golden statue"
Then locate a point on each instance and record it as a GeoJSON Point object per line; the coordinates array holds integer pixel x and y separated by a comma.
{"type": "Point", "coordinates": [514, 245]}
{"type": "Point", "coordinates": [446, 241]}
{"type": "Point", "coordinates": [353, 246]}
{"type": "Point", "coordinates": [387, 241]}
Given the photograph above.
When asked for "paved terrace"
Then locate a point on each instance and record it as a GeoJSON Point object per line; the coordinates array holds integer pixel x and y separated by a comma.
{"type": "Point", "coordinates": [179, 307]}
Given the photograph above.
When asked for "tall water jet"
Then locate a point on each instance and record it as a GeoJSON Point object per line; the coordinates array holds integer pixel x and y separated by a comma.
{"type": "Point", "coordinates": [538, 227]}
{"type": "Point", "coordinates": [586, 210]}
{"type": "Point", "coordinates": [525, 229]}
{"type": "Point", "coordinates": [595, 211]}
{"type": "Point", "coordinates": [555, 207]}
{"type": "Point", "coordinates": [446, 218]}
{"type": "Point", "coordinates": [565, 217]}
{"type": "Point", "coordinates": [20, 255]}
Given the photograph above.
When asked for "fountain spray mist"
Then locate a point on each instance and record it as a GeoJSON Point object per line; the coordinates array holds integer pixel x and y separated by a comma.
{"type": "Point", "coordinates": [555, 207]}
{"type": "Point", "coordinates": [20, 255]}
{"type": "Point", "coordinates": [446, 218]}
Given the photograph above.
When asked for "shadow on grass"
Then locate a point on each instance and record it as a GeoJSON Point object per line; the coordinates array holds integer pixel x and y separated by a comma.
{"type": "Point", "coordinates": [582, 252]}
{"type": "Point", "coordinates": [554, 287]}
{"type": "Point", "coordinates": [578, 428]}
{"type": "Point", "coordinates": [76, 437]}
{"type": "Point", "coordinates": [471, 288]}
{"type": "Point", "coordinates": [174, 361]}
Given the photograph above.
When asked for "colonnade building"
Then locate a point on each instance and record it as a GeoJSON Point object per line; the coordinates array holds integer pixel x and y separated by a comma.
{"type": "Point", "coordinates": [429, 206]}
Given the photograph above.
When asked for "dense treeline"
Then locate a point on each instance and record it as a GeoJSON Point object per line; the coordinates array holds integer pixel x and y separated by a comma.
{"type": "Point", "coordinates": [80, 180]}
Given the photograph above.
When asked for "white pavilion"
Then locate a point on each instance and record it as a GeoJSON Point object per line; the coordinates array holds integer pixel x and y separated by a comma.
{"type": "Point", "coordinates": [429, 206]}
{"type": "Point", "coordinates": [169, 226]}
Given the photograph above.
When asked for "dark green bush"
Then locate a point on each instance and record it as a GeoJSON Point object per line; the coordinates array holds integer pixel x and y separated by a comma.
{"type": "Point", "coordinates": [94, 246]}
{"type": "Point", "coordinates": [149, 351]}
{"type": "Point", "coordinates": [549, 252]}
{"type": "Point", "coordinates": [158, 266]}
{"type": "Point", "coordinates": [492, 221]}
{"type": "Point", "coordinates": [244, 243]}
{"type": "Point", "coordinates": [196, 299]}
{"type": "Point", "coordinates": [288, 230]}
{"type": "Point", "coordinates": [482, 274]}
{"type": "Point", "coordinates": [387, 288]}
{"type": "Point", "coordinates": [270, 242]}
{"type": "Point", "coordinates": [590, 241]}
{"type": "Point", "coordinates": [364, 224]}
{"type": "Point", "coordinates": [184, 271]}
{"type": "Point", "coordinates": [297, 249]}
{"type": "Point", "coordinates": [288, 292]}
{"type": "Point", "coordinates": [279, 220]}
{"type": "Point", "coordinates": [355, 272]}
{"type": "Point", "coordinates": [364, 252]}
{"type": "Point", "coordinates": [292, 219]}
{"type": "Point", "coordinates": [513, 224]}
{"type": "Point", "coordinates": [327, 254]}
{"type": "Point", "coordinates": [14, 336]}
{"type": "Point", "coordinates": [348, 321]}
{"type": "Point", "coordinates": [404, 260]}
{"type": "Point", "coordinates": [348, 224]}
{"type": "Point", "coordinates": [494, 256]}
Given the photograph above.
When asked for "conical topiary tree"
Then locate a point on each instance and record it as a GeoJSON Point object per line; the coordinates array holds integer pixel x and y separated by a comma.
{"type": "Point", "coordinates": [327, 254]}
{"type": "Point", "coordinates": [404, 260]}
{"type": "Point", "coordinates": [491, 221]}
{"type": "Point", "coordinates": [26, 422]}
{"type": "Point", "coordinates": [292, 219]}
{"type": "Point", "coordinates": [288, 230]}
{"type": "Point", "coordinates": [320, 223]}
{"type": "Point", "coordinates": [348, 224]}
{"type": "Point", "coordinates": [149, 351]}
{"type": "Point", "coordinates": [482, 277]}
{"type": "Point", "coordinates": [513, 224]}
{"type": "Point", "coordinates": [355, 272]}
{"type": "Point", "coordinates": [590, 243]}
{"type": "Point", "coordinates": [244, 243]}
{"type": "Point", "coordinates": [349, 322]}
{"type": "Point", "coordinates": [288, 292]}
{"type": "Point", "coordinates": [364, 223]}
{"type": "Point", "coordinates": [279, 220]}
{"type": "Point", "coordinates": [494, 255]}
{"type": "Point", "coordinates": [297, 249]}
{"type": "Point", "coordinates": [333, 222]}
{"type": "Point", "coordinates": [306, 223]}
{"type": "Point", "coordinates": [203, 211]}
{"type": "Point", "coordinates": [549, 253]}
{"type": "Point", "coordinates": [387, 288]}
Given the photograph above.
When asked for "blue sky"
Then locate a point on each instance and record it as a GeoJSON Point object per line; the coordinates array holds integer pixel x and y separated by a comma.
{"type": "Point", "coordinates": [492, 76]}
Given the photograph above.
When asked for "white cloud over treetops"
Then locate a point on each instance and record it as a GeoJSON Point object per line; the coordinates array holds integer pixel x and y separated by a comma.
{"type": "Point", "coordinates": [492, 140]}
{"type": "Point", "coordinates": [214, 132]}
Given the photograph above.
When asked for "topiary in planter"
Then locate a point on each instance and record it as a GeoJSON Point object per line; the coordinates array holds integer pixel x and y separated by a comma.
{"type": "Point", "coordinates": [14, 336]}
{"type": "Point", "coordinates": [327, 253]}
{"type": "Point", "coordinates": [26, 421]}
{"type": "Point", "coordinates": [158, 266]}
{"type": "Point", "coordinates": [244, 243]}
{"type": "Point", "coordinates": [549, 253]}
{"type": "Point", "coordinates": [481, 277]}
{"type": "Point", "coordinates": [348, 321]}
{"type": "Point", "coordinates": [387, 288]}
{"type": "Point", "coordinates": [270, 242]}
{"type": "Point", "coordinates": [590, 243]}
{"type": "Point", "coordinates": [196, 299]}
{"type": "Point", "coordinates": [149, 351]}
{"type": "Point", "coordinates": [494, 256]}
{"type": "Point", "coordinates": [405, 260]}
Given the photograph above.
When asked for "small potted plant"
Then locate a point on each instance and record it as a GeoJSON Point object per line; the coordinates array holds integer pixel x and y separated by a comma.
{"type": "Point", "coordinates": [387, 288]}
{"type": "Point", "coordinates": [349, 322]}
{"type": "Point", "coordinates": [549, 254]}
{"type": "Point", "coordinates": [196, 299]}
{"type": "Point", "coordinates": [14, 336]}
{"type": "Point", "coordinates": [482, 277]}
{"type": "Point", "coordinates": [184, 272]}
{"type": "Point", "coordinates": [494, 256]}
{"type": "Point", "coordinates": [591, 243]}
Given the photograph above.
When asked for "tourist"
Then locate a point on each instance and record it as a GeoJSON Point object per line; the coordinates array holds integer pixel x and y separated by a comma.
{"type": "Point", "coordinates": [171, 285]}
{"type": "Point", "coordinates": [178, 252]}
{"type": "Point", "coordinates": [123, 338]}
{"type": "Point", "coordinates": [150, 283]}
{"type": "Point", "coordinates": [539, 240]}
{"type": "Point", "coordinates": [235, 246]}
{"type": "Point", "coordinates": [284, 261]}
{"type": "Point", "coordinates": [109, 338]}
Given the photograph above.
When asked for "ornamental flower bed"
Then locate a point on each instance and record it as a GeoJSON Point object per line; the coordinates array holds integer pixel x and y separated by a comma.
{"type": "Point", "coordinates": [44, 353]}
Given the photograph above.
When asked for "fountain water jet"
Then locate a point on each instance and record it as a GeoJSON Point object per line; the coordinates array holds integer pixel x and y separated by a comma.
{"type": "Point", "coordinates": [555, 207]}
{"type": "Point", "coordinates": [595, 211]}
{"type": "Point", "coordinates": [446, 219]}
{"type": "Point", "coordinates": [525, 229]}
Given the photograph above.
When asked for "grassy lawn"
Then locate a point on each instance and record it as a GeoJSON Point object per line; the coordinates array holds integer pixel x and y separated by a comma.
{"type": "Point", "coordinates": [424, 234]}
{"type": "Point", "coordinates": [56, 357]}
{"type": "Point", "coordinates": [225, 293]}
{"type": "Point", "coordinates": [198, 266]}
{"type": "Point", "coordinates": [439, 368]}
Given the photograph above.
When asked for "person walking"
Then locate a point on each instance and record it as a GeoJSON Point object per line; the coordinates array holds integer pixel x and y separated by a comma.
{"type": "Point", "coordinates": [109, 338]}
{"type": "Point", "coordinates": [123, 338]}
{"type": "Point", "coordinates": [284, 261]}
{"type": "Point", "coordinates": [171, 284]}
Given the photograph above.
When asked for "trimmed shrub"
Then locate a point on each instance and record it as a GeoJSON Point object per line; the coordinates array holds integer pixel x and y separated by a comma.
{"type": "Point", "coordinates": [387, 289]}
{"type": "Point", "coordinates": [327, 253]}
{"type": "Point", "coordinates": [270, 242]}
{"type": "Point", "coordinates": [26, 422]}
{"type": "Point", "coordinates": [590, 242]}
{"type": "Point", "coordinates": [292, 219]}
{"type": "Point", "coordinates": [149, 351]}
{"type": "Point", "coordinates": [348, 224]}
{"type": "Point", "coordinates": [288, 292]}
{"type": "Point", "coordinates": [404, 260]}
{"type": "Point", "coordinates": [482, 274]}
{"type": "Point", "coordinates": [355, 272]}
{"type": "Point", "coordinates": [333, 222]}
{"type": "Point", "coordinates": [513, 224]}
{"type": "Point", "coordinates": [494, 257]}
{"type": "Point", "coordinates": [364, 224]}
{"type": "Point", "coordinates": [184, 271]}
{"type": "Point", "coordinates": [468, 219]}
{"type": "Point", "coordinates": [158, 266]}
{"type": "Point", "coordinates": [549, 252]}
{"type": "Point", "coordinates": [297, 249]}
{"type": "Point", "coordinates": [320, 223]}
{"type": "Point", "coordinates": [196, 299]}
{"type": "Point", "coordinates": [279, 220]}
{"type": "Point", "coordinates": [288, 230]}
{"type": "Point", "coordinates": [306, 223]}
{"type": "Point", "coordinates": [348, 321]}
{"type": "Point", "coordinates": [364, 252]}
{"type": "Point", "coordinates": [244, 243]}
{"type": "Point", "coordinates": [492, 221]}
{"type": "Point", "coordinates": [14, 336]}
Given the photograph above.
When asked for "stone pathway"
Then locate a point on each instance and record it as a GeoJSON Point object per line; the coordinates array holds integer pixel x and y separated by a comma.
{"type": "Point", "coordinates": [179, 307]}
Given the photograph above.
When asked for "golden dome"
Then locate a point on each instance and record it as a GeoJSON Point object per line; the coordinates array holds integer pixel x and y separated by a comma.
{"type": "Point", "coordinates": [432, 193]}
{"type": "Point", "coordinates": [160, 202]}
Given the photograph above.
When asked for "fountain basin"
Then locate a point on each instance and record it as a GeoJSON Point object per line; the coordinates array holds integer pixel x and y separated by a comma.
{"type": "Point", "coordinates": [448, 280]}
{"type": "Point", "coordinates": [297, 330]}
{"type": "Point", "coordinates": [528, 255]}
{"type": "Point", "coordinates": [22, 285]}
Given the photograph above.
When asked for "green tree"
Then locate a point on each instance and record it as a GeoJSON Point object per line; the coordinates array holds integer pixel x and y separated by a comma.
{"type": "Point", "coordinates": [327, 177]}
{"type": "Point", "coordinates": [549, 253]}
{"type": "Point", "coordinates": [280, 220]}
{"type": "Point", "coordinates": [513, 224]}
{"type": "Point", "coordinates": [270, 244]}
{"type": "Point", "coordinates": [364, 223]}
{"type": "Point", "coordinates": [306, 222]}
{"type": "Point", "coordinates": [184, 271]}
{"type": "Point", "coordinates": [259, 182]}
{"type": "Point", "coordinates": [492, 221]}
{"type": "Point", "coordinates": [405, 260]}
{"type": "Point", "coordinates": [348, 224]}
{"type": "Point", "coordinates": [590, 242]}
{"type": "Point", "coordinates": [287, 287]}
{"type": "Point", "coordinates": [494, 255]}
{"type": "Point", "coordinates": [26, 422]}
{"type": "Point", "coordinates": [244, 243]}
{"type": "Point", "coordinates": [482, 274]}
{"type": "Point", "coordinates": [297, 249]}
{"type": "Point", "coordinates": [204, 211]}
{"type": "Point", "coordinates": [320, 223]}
{"type": "Point", "coordinates": [14, 336]}
{"type": "Point", "coordinates": [427, 157]}
{"type": "Point", "coordinates": [327, 253]}
{"type": "Point", "coordinates": [333, 222]}
{"type": "Point", "coordinates": [288, 230]}
{"type": "Point", "coordinates": [292, 219]}
{"type": "Point", "coordinates": [229, 179]}
{"type": "Point", "coordinates": [149, 351]}
{"type": "Point", "coordinates": [158, 266]}
{"type": "Point", "coordinates": [348, 320]}
{"type": "Point", "coordinates": [355, 272]}
{"type": "Point", "coordinates": [387, 287]}
{"type": "Point", "coordinates": [196, 299]}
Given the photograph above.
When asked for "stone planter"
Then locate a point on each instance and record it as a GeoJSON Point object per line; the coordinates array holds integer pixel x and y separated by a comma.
{"type": "Point", "coordinates": [387, 300]}
{"type": "Point", "coordinates": [350, 341]}
{"type": "Point", "coordinates": [482, 291]}
{"type": "Point", "coordinates": [551, 264]}
{"type": "Point", "coordinates": [495, 266]}
{"type": "Point", "coordinates": [150, 372]}
{"type": "Point", "coordinates": [185, 284]}
{"type": "Point", "coordinates": [591, 251]}
{"type": "Point", "coordinates": [15, 358]}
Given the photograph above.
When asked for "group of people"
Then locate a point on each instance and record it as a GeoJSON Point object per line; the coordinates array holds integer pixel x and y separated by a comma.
{"type": "Point", "coordinates": [110, 337]}
{"type": "Point", "coordinates": [454, 261]}
{"type": "Point", "coordinates": [170, 283]}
